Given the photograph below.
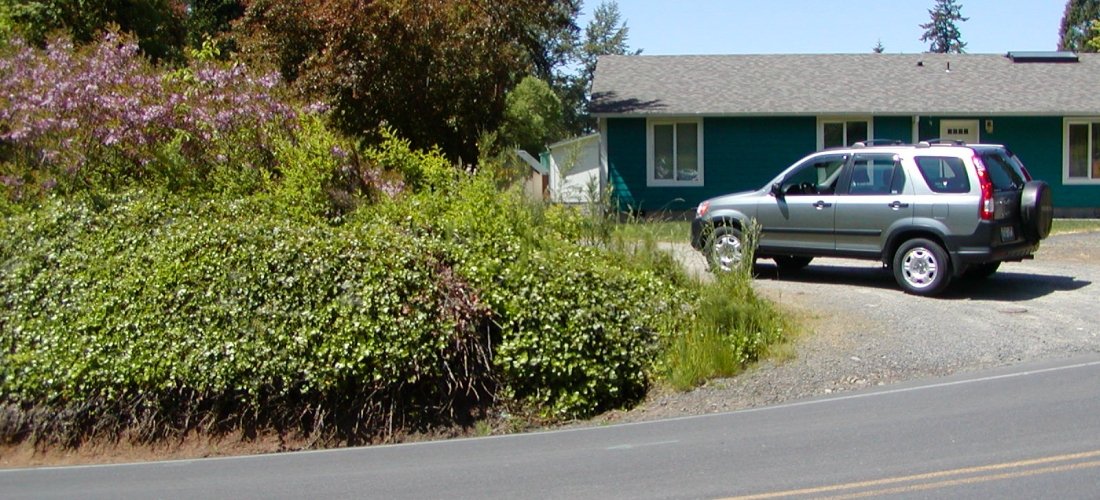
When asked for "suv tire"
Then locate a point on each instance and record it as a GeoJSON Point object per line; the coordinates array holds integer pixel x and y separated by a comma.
{"type": "Point", "coordinates": [921, 267]}
{"type": "Point", "coordinates": [791, 262]}
{"type": "Point", "coordinates": [1037, 211]}
{"type": "Point", "coordinates": [725, 249]}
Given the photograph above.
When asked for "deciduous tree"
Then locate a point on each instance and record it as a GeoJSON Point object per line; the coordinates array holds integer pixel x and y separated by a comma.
{"type": "Point", "coordinates": [1074, 33]}
{"type": "Point", "coordinates": [1093, 44]}
{"type": "Point", "coordinates": [437, 71]}
{"type": "Point", "coordinates": [210, 18]}
{"type": "Point", "coordinates": [158, 24]}
{"type": "Point", "coordinates": [532, 116]}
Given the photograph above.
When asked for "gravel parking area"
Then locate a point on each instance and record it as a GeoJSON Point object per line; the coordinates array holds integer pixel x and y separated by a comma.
{"type": "Point", "coordinates": [860, 330]}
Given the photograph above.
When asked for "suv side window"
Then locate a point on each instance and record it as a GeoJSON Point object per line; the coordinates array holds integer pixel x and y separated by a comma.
{"type": "Point", "coordinates": [944, 174]}
{"type": "Point", "coordinates": [876, 174]}
{"type": "Point", "coordinates": [816, 176]}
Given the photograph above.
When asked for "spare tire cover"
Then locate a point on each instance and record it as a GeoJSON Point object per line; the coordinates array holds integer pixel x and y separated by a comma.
{"type": "Point", "coordinates": [1037, 210]}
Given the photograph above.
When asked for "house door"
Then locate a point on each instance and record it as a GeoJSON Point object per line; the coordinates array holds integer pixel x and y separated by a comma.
{"type": "Point", "coordinates": [959, 130]}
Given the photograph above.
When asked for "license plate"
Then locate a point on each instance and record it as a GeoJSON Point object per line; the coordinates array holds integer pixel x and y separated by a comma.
{"type": "Point", "coordinates": [1008, 233]}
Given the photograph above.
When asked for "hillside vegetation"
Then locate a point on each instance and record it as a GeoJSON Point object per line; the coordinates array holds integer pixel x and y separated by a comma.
{"type": "Point", "coordinates": [190, 250]}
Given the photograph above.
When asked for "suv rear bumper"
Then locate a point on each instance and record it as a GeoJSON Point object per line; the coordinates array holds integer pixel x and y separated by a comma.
{"type": "Point", "coordinates": [981, 255]}
{"type": "Point", "coordinates": [984, 246]}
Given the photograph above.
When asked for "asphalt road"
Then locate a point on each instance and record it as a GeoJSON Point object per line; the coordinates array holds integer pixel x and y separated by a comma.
{"type": "Point", "coordinates": [1030, 431]}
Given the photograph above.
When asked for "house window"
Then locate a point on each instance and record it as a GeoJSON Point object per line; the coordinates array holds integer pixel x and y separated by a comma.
{"type": "Point", "coordinates": [1082, 151]}
{"type": "Point", "coordinates": [842, 132]}
{"type": "Point", "coordinates": [959, 130]}
{"type": "Point", "coordinates": [675, 153]}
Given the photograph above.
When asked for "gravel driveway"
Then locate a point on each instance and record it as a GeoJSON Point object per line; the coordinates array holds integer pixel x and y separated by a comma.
{"type": "Point", "coordinates": [861, 330]}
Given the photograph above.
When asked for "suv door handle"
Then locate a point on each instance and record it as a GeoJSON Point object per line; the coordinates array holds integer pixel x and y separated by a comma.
{"type": "Point", "coordinates": [821, 204]}
{"type": "Point", "coordinates": [897, 205]}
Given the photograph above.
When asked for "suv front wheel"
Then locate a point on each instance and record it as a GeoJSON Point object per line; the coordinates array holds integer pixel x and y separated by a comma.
{"type": "Point", "coordinates": [921, 267]}
{"type": "Point", "coordinates": [725, 249]}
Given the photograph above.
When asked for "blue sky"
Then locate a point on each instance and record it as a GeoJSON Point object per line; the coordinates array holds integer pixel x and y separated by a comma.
{"type": "Point", "coordinates": [662, 27]}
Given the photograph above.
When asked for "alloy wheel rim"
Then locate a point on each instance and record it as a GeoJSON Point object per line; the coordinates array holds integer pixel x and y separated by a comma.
{"type": "Point", "coordinates": [727, 250]}
{"type": "Point", "coordinates": [920, 267]}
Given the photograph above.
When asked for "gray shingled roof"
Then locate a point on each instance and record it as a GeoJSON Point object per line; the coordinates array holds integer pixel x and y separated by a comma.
{"type": "Point", "coordinates": [822, 84]}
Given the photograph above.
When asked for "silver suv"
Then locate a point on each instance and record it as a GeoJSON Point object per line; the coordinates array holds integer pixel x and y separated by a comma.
{"type": "Point", "coordinates": [929, 212]}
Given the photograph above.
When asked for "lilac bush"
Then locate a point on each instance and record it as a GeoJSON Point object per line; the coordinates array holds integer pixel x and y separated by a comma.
{"type": "Point", "coordinates": [103, 114]}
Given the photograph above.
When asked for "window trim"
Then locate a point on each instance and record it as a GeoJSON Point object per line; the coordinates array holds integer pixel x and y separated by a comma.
{"type": "Point", "coordinates": [650, 153]}
{"type": "Point", "coordinates": [1091, 121]}
{"type": "Point", "coordinates": [822, 120]}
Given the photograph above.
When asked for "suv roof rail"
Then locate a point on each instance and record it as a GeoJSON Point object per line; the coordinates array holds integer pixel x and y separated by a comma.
{"type": "Point", "coordinates": [937, 140]}
{"type": "Point", "coordinates": [877, 142]}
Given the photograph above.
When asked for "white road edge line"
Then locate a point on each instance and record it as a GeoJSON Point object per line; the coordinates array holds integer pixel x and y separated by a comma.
{"type": "Point", "coordinates": [834, 399]}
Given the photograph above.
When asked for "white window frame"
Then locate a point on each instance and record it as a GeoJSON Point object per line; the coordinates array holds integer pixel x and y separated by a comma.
{"type": "Point", "coordinates": [1091, 122]}
{"type": "Point", "coordinates": [651, 180]}
{"type": "Point", "coordinates": [822, 120]}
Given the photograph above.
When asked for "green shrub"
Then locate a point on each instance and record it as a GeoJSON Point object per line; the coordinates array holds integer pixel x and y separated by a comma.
{"type": "Point", "coordinates": [166, 316]}
{"type": "Point", "coordinates": [320, 297]}
{"type": "Point", "coordinates": [422, 170]}
{"type": "Point", "coordinates": [578, 326]}
{"type": "Point", "coordinates": [579, 333]}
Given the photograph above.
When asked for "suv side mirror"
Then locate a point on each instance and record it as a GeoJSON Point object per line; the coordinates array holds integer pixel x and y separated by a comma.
{"type": "Point", "coordinates": [777, 190]}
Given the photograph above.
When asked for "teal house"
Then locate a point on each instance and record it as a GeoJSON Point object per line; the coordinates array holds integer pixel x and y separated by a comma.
{"type": "Point", "coordinates": [676, 130]}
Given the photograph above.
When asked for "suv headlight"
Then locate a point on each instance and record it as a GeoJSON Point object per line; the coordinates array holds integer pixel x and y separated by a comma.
{"type": "Point", "coordinates": [701, 210]}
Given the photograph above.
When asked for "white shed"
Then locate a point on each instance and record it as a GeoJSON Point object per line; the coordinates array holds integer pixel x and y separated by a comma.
{"type": "Point", "coordinates": [574, 166]}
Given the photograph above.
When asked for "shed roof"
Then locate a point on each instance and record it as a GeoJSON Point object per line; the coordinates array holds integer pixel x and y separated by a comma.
{"type": "Point", "coordinates": [844, 84]}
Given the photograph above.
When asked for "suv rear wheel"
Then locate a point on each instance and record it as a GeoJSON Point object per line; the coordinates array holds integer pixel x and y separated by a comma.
{"type": "Point", "coordinates": [921, 267]}
{"type": "Point", "coordinates": [725, 250]}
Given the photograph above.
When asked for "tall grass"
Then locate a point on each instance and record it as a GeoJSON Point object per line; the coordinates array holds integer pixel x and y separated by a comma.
{"type": "Point", "coordinates": [731, 327]}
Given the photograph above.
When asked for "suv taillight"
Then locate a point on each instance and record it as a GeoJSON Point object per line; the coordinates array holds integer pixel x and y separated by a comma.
{"type": "Point", "coordinates": [701, 210]}
{"type": "Point", "coordinates": [985, 207]}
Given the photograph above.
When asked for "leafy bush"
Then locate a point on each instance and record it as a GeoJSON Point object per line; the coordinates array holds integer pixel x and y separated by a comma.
{"type": "Point", "coordinates": [209, 259]}
{"type": "Point", "coordinates": [579, 334]}
{"type": "Point", "coordinates": [163, 317]}
{"type": "Point", "coordinates": [578, 327]}
{"type": "Point", "coordinates": [422, 170]}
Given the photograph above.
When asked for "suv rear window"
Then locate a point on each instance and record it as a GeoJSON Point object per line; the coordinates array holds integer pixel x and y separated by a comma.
{"type": "Point", "coordinates": [1002, 171]}
{"type": "Point", "coordinates": [944, 174]}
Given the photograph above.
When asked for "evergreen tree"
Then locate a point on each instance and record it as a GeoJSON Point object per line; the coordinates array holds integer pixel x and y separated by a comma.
{"type": "Point", "coordinates": [878, 48]}
{"type": "Point", "coordinates": [943, 30]}
{"type": "Point", "coordinates": [1074, 33]}
{"type": "Point", "coordinates": [606, 34]}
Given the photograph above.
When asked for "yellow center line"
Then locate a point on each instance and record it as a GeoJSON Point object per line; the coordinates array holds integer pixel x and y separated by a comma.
{"type": "Point", "coordinates": [969, 480]}
{"type": "Point", "coordinates": [940, 475]}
